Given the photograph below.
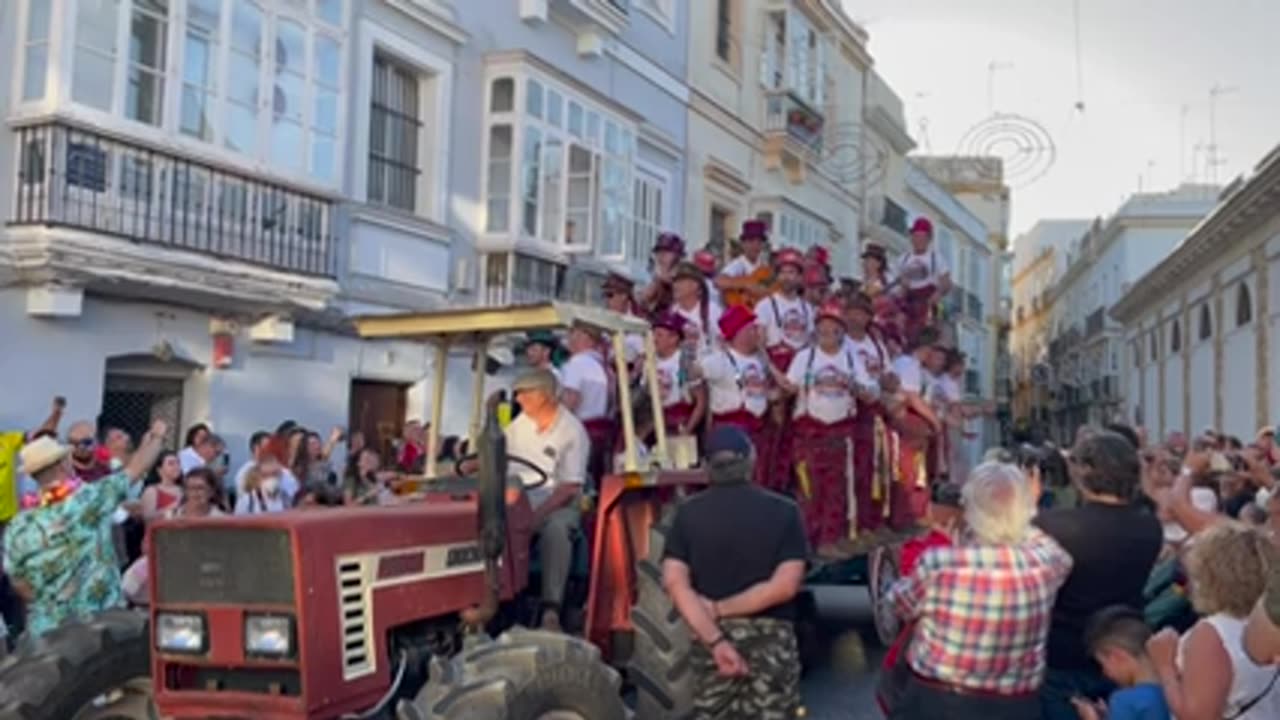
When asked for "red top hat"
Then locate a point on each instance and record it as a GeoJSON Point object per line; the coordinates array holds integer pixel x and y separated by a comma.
{"type": "Point", "coordinates": [734, 320]}
{"type": "Point", "coordinates": [672, 321]}
{"type": "Point", "coordinates": [705, 261]}
{"type": "Point", "coordinates": [757, 229]}
{"type": "Point", "coordinates": [832, 309]}
{"type": "Point", "coordinates": [788, 256]}
{"type": "Point", "coordinates": [922, 225]}
{"type": "Point", "coordinates": [669, 242]}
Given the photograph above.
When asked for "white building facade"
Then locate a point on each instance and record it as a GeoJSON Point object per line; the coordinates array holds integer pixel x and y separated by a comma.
{"type": "Point", "coordinates": [1201, 327]}
{"type": "Point", "coordinates": [1086, 345]}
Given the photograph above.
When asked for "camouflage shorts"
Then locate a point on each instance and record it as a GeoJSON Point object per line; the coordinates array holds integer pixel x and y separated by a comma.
{"type": "Point", "coordinates": [771, 692]}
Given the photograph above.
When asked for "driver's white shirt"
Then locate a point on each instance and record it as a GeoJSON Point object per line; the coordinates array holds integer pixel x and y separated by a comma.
{"type": "Point", "coordinates": [561, 452]}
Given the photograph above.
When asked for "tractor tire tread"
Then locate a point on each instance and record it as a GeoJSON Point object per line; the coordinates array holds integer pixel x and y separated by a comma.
{"type": "Point", "coordinates": [514, 676]}
{"type": "Point", "coordinates": [53, 676]}
{"type": "Point", "coordinates": [659, 667]}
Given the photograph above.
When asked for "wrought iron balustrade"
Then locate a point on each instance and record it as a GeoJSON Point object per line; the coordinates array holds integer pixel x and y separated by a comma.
{"type": "Point", "coordinates": [81, 179]}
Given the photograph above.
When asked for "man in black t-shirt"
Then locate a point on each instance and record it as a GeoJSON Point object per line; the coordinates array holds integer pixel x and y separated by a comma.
{"type": "Point", "coordinates": [734, 561]}
{"type": "Point", "coordinates": [1113, 544]}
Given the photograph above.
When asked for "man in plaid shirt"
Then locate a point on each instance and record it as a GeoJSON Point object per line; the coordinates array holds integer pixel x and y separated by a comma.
{"type": "Point", "coordinates": [982, 608]}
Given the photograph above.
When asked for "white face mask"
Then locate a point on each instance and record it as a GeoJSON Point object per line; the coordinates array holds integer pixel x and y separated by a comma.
{"type": "Point", "coordinates": [270, 485]}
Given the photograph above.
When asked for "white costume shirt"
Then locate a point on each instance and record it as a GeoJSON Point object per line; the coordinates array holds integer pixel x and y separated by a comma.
{"type": "Point", "coordinates": [561, 452]}
{"type": "Point", "coordinates": [871, 358]}
{"type": "Point", "coordinates": [707, 340]}
{"type": "Point", "coordinates": [920, 271]}
{"type": "Point", "coordinates": [736, 382]}
{"type": "Point", "coordinates": [944, 391]}
{"type": "Point", "coordinates": [673, 388]}
{"type": "Point", "coordinates": [584, 374]}
{"type": "Point", "coordinates": [826, 384]}
{"type": "Point", "coordinates": [741, 266]}
{"type": "Point", "coordinates": [785, 320]}
{"type": "Point", "coordinates": [910, 374]}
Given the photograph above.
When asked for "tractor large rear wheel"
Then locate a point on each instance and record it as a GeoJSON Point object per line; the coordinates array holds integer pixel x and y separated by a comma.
{"type": "Point", "coordinates": [523, 675]}
{"type": "Point", "coordinates": [98, 669]}
{"type": "Point", "coordinates": [884, 573]}
{"type": "Point", "coordinates": [659, 666]}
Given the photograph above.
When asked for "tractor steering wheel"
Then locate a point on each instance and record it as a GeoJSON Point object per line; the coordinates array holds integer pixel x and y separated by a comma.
{"type": "Point", "coordinates": [543, 477]}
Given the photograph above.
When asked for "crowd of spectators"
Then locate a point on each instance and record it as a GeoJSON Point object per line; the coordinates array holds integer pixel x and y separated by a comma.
{"type": "Point", "coordinates": [74, 507]}
{"type": "Point", "coordinates": [1117, 578]}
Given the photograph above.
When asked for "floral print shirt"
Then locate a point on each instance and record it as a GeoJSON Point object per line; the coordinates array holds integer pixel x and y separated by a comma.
{"type": "Point", "coordinates": [65, 553]}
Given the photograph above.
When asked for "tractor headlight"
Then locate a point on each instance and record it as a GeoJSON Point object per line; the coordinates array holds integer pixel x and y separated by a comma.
{"type": "Point", "coordinates": [269, 636]}
{"type": "Point", "coordinates": [181, 633]}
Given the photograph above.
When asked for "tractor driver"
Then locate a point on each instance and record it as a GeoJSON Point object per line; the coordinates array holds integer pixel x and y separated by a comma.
{"type": "Point", "coordinates": [548, 435]}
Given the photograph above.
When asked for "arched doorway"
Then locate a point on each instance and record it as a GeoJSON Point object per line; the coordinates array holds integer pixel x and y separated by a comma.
{"type": "Point", "coordinates": [142, 387]}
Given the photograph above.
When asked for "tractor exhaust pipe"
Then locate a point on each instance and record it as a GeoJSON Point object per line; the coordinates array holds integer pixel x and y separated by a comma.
{"type": "Point", "coordinates": [491, 495]}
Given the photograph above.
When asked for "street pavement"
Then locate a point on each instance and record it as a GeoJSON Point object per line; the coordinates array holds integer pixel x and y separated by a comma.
{"type": "Point", "coordinates": [843, 687]}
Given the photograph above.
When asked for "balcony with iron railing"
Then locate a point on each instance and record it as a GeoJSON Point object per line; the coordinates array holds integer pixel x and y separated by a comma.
{"type": "Point", "coordinates": [793, 133]}
{"type": "Point", "coordinates": [83, 180]}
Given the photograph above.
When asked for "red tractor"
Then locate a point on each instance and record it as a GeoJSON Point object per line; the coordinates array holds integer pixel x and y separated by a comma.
{"type": "Point", "coordinates": [411, 610]}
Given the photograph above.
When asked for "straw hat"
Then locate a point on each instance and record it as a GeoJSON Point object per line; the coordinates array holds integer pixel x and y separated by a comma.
{"type": "Point", "coordinates": [41, 454]}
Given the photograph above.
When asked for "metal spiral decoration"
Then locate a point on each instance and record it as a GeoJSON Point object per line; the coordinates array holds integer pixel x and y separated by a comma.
{"type": "Point", "coordinates": [853, 156]}
{"type": "Point", "coordinates": [1024, 147]}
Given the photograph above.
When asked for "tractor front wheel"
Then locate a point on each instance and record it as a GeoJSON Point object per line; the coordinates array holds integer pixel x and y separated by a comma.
{"type": "Point", "coordinates": [884, 573]}
{"type": "Point", "coordinates": [94, 669]}
{"type": "Point", "coordinates": [523, 675]}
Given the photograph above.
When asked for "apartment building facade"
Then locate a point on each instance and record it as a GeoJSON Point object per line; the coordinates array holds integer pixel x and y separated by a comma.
{"type": "Point", "coordinates": [1086, 344]}
{"type": "Point", "coordinates": [1201, 329]}
{"type": "Point", "coordinates": [1039, 260]}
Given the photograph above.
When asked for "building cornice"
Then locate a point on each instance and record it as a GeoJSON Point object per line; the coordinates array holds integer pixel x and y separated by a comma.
{"type": "Point", "coordinates": [1246, 207]}
{"type": "Point", "coordinates": [435, 14]}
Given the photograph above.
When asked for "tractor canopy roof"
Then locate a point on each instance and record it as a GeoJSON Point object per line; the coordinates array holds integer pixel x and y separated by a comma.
{"type": "Point", "coordinates": [483, 324]}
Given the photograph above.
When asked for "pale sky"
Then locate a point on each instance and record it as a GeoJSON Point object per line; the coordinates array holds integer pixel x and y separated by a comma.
{"type": "Point", "coordinates": [1142, 61]}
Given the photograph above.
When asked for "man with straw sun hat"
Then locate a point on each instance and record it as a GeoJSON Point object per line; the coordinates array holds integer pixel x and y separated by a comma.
{"type": "Point", "coordinates": [60, 553]}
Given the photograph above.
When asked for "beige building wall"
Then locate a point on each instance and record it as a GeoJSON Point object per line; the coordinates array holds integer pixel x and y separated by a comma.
{"type": "Point", "coordinates": [744, 160]}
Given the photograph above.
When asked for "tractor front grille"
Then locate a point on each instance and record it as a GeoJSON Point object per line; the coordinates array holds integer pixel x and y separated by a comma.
{"type": "Point", "coordinates": [222, 565]}
{"type": "Point", "coordinates": [353, 618]}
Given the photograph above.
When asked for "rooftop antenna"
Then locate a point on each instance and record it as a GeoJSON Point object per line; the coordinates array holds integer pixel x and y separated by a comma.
{"type": "Point", "coordinates": [922, 125]}
{"type": "Point", "coordinates": [992, 68]}
{"type": "Point", "coordinates": [1182, 142]}
{"type": "Point", "coordinates": [1214, 159]}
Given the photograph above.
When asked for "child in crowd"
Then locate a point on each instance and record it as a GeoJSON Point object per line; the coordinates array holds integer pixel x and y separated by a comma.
{"type": "Point", "coordinates": [1117, 638]}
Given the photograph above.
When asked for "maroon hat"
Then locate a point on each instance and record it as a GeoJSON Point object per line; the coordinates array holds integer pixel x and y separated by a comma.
{"type": "Point", "coordinates": [819, 254]}
{"type": "Point", "coordinates": [757, 229]}
{"type": "Point", "coordinates": [815, 275]}
{"type": "Point", "coordinates": [617, 283]}
{"type": "Point", "coordinates": [734, 320]}
{"type": "Point", "coordinates": [923, 225]}
{"type": "Point", "coordinates": [669, 242]}
{"type": "Point", "coordinates": [832, 309]}
{"type": "Point", "coordinates": [669, 320]}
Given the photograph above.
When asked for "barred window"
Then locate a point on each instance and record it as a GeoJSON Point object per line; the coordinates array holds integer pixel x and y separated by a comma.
{"type": "Point", "coordinates": [394, 127]}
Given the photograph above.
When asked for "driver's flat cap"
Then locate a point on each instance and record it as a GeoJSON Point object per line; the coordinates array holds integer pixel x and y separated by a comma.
{"type": "Point", "coordinates": [542, 380]}
{"type": "Point", "coordinates": [728, 440]}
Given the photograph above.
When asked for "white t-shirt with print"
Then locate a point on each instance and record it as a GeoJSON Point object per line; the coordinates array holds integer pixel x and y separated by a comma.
{"type": "Point", "coordinates": [871, 358]}
{"type": "Point", "coordinates": [736, 382]}
{"type": "Point", "coordinates": [944, 391]}
{"type": "Point", "coordinates": [785, 320]}
{"type": "Point", "coordinates": [584, 374]}
{"type": "Point", "coordinates": [826, 384]}
{"type": "Point", "coordinates": [708, 340]}
{"type": "Point", "coordinates": [910, 373]}
{"type": "Point", "coordinates": [923, 270]}
{"type": "Point", "coordinates": [741, 266]}
{"type": "Point", "coordinates": [671, 387]}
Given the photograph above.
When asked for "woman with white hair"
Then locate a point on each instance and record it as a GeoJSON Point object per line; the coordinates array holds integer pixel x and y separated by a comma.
{"type": "Point", "coordinates": [982, 608]}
